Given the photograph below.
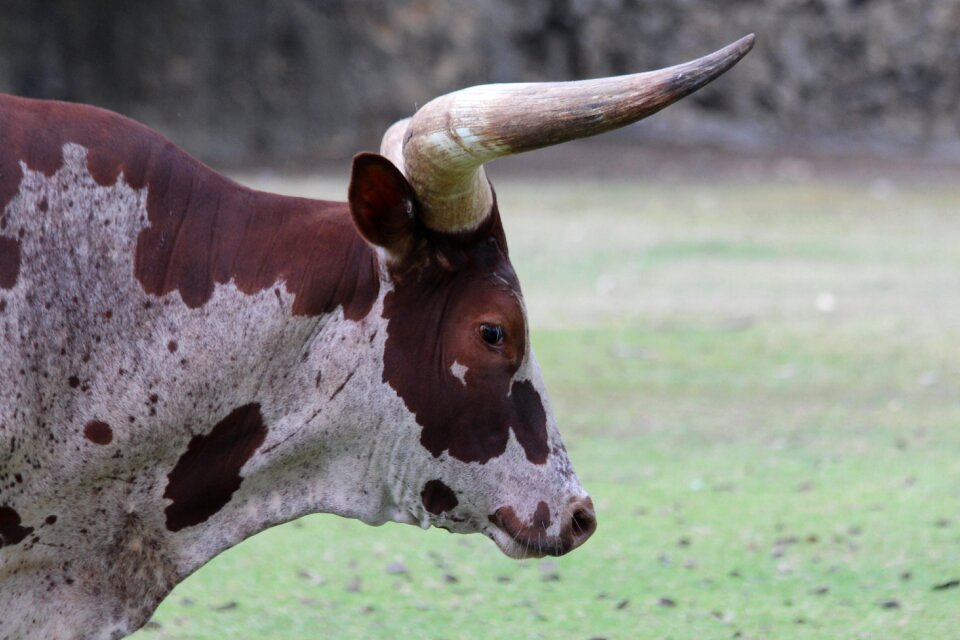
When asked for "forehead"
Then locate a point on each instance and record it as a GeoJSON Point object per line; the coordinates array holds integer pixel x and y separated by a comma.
{"type": "Point", "coordinates": [477, 262]}
{"type": "Point", "coordinates": [493, 288]}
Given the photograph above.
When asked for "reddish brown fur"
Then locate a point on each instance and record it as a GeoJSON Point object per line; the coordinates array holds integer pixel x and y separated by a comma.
{"type": "Point", "coordinates": [9, 262]}
{"type": "Point", "coordinates": [452, 289]}
{"type": "Point", "coordinates": [204, 229]}
{"type": "Point", "coordinates": [382, 204]}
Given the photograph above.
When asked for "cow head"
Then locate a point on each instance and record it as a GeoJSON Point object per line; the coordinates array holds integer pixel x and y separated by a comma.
{"type": "Point", "coordinates": [489, 455]}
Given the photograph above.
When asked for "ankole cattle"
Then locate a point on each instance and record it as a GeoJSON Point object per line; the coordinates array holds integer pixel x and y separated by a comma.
{"type": "Point", "coordinates": [188, 362]}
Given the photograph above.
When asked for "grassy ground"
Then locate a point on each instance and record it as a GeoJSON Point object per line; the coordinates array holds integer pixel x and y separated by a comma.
{"type": "Point", "coordinates": [759, 386]}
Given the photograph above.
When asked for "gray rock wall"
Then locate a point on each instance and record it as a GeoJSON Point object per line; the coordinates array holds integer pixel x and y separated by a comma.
{"type": "Point", "coordinates": [291, 82]}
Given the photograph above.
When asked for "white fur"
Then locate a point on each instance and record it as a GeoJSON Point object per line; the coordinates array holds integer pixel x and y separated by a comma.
{"type": "Point", "coordinates": [459, 372]}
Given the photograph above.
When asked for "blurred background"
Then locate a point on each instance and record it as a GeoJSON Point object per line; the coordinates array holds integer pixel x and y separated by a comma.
{"type": "Point", "coordinates": [746, 308]}
{"type": "Point", "coordinates": [293, 82]}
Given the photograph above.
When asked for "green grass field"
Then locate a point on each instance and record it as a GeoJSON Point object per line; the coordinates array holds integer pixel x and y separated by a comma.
{"type": "Point", "coordinates": [759, 384]}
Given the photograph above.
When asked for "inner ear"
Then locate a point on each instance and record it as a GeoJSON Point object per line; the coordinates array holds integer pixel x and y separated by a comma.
{"type": "Point", "coordinates": [382, 203]}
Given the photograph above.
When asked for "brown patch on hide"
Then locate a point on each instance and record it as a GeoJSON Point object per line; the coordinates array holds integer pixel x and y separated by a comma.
{"type": "Point", "coordinates": [203, 229]}
{"type": "Point", "coordinates": [98, 432]}
{"type": "Point", "coordinates": [434, 313]}
{"type": "Point", "coordinates": [9, 262]}
{"type": "Point", "coordinates": [10, 176]}
{"type": "Point", "coordinates": [208, 473]}
{"type": "Point", "coordinates": [10, 530]}
{"type": "Point", "coordinates": [438, 497]}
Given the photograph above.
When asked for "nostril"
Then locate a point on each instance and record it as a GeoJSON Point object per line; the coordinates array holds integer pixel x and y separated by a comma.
{"type": "Point", "coordinates": [583, 521]}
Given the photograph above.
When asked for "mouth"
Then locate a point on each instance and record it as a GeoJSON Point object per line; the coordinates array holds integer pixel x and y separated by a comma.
{"type": "Point", "coordinates": [520, 540]}
{"type": "Point", "coordinates": [520, 549]}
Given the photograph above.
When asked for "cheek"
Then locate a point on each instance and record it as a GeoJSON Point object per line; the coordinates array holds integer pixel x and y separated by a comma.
{"type": "Point", "coordinates": [468, 407]}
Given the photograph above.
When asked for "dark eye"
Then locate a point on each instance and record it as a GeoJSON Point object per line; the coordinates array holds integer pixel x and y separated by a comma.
{"type": "Point", "coordinates": [492, 334]}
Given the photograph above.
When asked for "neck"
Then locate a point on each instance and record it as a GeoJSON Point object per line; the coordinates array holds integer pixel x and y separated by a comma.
{"type": "Point", "coordinates": [228, 382]}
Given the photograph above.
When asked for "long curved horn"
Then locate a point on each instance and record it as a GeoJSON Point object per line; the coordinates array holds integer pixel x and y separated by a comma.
{"type": "Point", "coordinates": [443, 147]}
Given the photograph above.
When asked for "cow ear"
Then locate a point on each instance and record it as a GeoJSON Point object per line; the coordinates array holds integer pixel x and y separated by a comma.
{"type": "Point", "coordinates": [382, 203]}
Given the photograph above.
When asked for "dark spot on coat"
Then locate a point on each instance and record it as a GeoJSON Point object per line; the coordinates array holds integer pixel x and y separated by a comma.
{"type": "Point", "coordinates": [438, 497]}
{"type": "Point", "coordinates": [10, 176]}
{"type": "Point", "coordinates": [51, 519]}
{"type": "Point", "coordinates": [10, 530]}
{"type": "Point", "coordinates": [98, 432]}
{"type": "Point", "coordinates": [172, 346]}
{"type": "Point", "coordinates": [9, 262]}
{"type": "Point", "coordinates": [43, 205]}
{"type": "Point", "coordinates": [208, 473]}
{"type": "Point", "coordinates": [73, 381]}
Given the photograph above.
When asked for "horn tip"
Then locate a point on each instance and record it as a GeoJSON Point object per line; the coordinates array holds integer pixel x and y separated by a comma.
{"type": "Point", "coordinates": [744, 44]}
{"type": "Point", "coordinates": [733, 52]}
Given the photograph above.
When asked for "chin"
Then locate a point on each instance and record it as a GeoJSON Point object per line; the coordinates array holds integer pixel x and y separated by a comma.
{"type": "Point", "coordinates": [519, 550]}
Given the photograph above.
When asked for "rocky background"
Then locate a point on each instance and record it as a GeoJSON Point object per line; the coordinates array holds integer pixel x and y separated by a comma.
{"type": "Point", "coordinates": [294, 82]}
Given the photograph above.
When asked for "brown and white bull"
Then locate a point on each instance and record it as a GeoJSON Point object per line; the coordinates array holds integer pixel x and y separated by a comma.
{"type": "Point", "coordinates": [187, 362]}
